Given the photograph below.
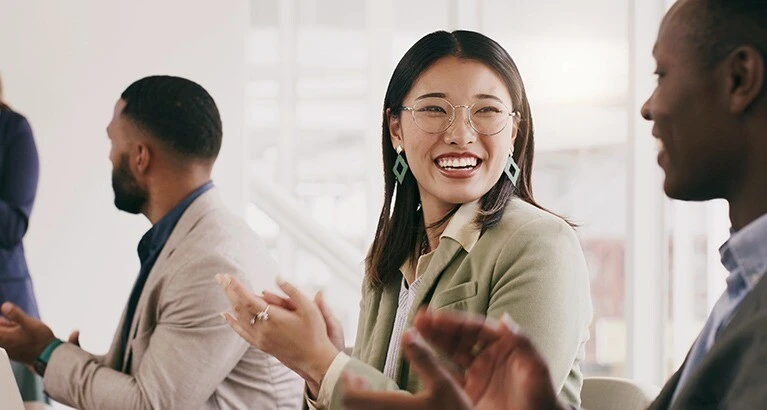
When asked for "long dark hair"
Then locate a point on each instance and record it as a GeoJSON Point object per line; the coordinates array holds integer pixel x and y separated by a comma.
{"type": "Point", "coordinates": [401, 232]}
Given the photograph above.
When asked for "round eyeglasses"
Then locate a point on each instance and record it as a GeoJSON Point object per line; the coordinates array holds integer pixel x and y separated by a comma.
{"type": "Point", "coordinates": [435, 115]}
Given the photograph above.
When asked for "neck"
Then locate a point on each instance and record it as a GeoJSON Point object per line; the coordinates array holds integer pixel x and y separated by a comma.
{"type": "Point", "coordinates": [165, 194]}
{"type": "Point", "coordinates": [748, 198]}
{"type": "Point", "coordinates": [433, 213]}
{"type": "Point", "coordinates": [748, 205]}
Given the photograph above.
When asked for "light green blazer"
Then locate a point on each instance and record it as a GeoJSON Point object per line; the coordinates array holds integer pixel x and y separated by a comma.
{"type": "Point", "coordinates": [530, 265]}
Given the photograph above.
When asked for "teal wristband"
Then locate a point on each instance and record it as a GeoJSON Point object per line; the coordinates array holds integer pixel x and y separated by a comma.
{"type": "Point", "coordinates": [45, 356]}
{"type": "Point", "coordinates": [42, 361]}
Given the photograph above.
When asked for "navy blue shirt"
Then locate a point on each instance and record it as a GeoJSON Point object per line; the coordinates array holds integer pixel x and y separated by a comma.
{"type": "Point", "coordinates": [149, 249]}
{"type": "Point", "coordinates": [19, 170]}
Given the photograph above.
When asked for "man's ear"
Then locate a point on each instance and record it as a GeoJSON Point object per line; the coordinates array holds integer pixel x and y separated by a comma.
{"type": "Point", "coordinates": [745, 72]}
{"type": "Point", "coordinates": [141, 158]}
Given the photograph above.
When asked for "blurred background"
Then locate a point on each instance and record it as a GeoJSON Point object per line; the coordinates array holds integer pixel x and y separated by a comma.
{"type": "Point", "coordinates": [300, 85]}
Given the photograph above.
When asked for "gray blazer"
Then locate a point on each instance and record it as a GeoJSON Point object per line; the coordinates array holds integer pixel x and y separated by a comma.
{"type": "Point", "coordinates": [181, 353]}
{"type": "Point", "coordinates": [732, 374]}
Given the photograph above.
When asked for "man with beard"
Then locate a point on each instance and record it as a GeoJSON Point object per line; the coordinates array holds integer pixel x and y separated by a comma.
{"type": "Point", "coordinates": [172, 349]}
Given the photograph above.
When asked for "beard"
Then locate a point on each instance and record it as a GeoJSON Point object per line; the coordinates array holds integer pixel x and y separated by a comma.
{"type": "Point", "coordinates": [129, 196]}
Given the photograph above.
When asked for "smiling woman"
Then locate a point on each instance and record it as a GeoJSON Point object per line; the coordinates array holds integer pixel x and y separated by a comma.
{"type": "Point", "coordinates": [459, 230]}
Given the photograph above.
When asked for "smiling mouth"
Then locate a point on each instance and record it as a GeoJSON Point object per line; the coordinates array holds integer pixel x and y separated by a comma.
{"type": "Point", "coordinates": [462, 163]}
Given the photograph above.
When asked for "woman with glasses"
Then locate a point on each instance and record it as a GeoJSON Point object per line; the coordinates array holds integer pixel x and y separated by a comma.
{"type": "Point", "coordinates": [459, 230]}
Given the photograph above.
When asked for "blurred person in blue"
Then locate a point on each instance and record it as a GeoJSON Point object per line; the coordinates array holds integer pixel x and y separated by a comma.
{"type": "Point", "coordinates": [19, 171]}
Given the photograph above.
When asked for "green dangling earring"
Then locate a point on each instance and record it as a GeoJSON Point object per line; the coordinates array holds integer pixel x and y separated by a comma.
{"type": "Point", "coordinates": [400, 166]}
{"type": "Point", "coordinates": [512, 169]}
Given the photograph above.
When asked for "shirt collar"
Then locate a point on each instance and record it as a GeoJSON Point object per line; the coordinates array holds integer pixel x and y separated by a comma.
{"type": "Point", "coordinates": [154, 239]}
{"type": "Point", "coordinates": [745, 253]}
{"type": "Point", "coordinates": [461, 228]}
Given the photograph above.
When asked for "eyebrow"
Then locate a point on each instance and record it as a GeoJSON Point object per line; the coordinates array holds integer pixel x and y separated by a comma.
{"type": "Point", "coordinates": [477, 96]}
{"type": "Point", "coordinates": [487, 97]}
{"type": "Point", "coordinates": [430, 95]}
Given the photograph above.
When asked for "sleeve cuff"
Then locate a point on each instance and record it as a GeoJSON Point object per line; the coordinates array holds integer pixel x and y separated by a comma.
{"type": "Point", "coordinates": [328, 383]}
{"type": "Point", "coordinates": [41, 362]}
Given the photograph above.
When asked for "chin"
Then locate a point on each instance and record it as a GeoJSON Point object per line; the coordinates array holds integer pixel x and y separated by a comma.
{"type": "Point", "coordinates": [674, 188]}
{"type": "Point", "coordinates": [131, 205]}
{"type": "Point", "coordinates": [459, 198]}
{"type": "Point", "coordinates": [688, 190]}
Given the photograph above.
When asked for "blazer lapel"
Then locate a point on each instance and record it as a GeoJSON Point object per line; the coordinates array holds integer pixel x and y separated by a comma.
{"type": "Point", "coordinates": [446, 252]}
{"type": "Point", "coordinates": [387, 310]}
{"type": "Point", "coordinates": [663, 401]}
{"type": "Point", "coordinates": [751, 304]}
{"type": "Point", "coordinates": [114, 357]}
{"type": "Point", "coordinates": [748, 308]}
{"type": "Point", "coordinates": [205, 203]}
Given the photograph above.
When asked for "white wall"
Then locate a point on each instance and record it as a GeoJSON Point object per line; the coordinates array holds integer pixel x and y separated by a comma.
{"type": "Point", "coordinates": [64, 64]}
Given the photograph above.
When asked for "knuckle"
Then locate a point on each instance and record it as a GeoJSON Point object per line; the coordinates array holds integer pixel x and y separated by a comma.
{"type": "Point", "coordinates": [523, 342]}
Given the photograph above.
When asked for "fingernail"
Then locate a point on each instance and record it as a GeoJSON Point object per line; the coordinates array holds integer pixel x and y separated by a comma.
{"type": "Point", "coordinates": [223, 315]}
{"type": "Point", "coordinates": [509, 322]}
{"type": "Point", "coordinates": [281, 281]}
{"type": "Point", "coordinates": [411, 336]}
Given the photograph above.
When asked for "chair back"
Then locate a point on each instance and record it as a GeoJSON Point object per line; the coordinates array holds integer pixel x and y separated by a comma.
{"type": "Point", "coordinates": [610, 393]}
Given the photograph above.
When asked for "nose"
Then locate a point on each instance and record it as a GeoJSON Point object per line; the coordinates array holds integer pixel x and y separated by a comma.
{"type": "Point", "coordinates": [645, 111]}
{"type": "Point", "coordinates": [460, 131]}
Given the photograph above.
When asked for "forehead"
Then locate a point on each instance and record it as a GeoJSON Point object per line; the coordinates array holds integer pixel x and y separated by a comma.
{"type": "Point", "coordinates": [118, 125]}
{"type": "Point", "coordinates": [117, 110]}
{"type": "Point", "coordinates": [459, 79]}
{"type": "Point", "coordinates": [675, 34]}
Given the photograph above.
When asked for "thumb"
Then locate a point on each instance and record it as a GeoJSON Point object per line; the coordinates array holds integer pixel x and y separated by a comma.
{"type": "Point", "coordinates": [15, 314]}
{"type": "Point", "coordinates": [424, 362]}
{"type": "Point", "coordinates": [74, 338]}
{"type": "Point", "coordinates": [319, 299]}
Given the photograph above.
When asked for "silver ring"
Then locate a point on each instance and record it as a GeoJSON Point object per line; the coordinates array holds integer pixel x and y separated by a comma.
{"type": "Point", "coordinates": [262, 315]}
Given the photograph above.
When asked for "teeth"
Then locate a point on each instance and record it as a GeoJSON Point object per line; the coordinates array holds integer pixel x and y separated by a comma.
{"type": "Point", "coordinates": [463, 162]}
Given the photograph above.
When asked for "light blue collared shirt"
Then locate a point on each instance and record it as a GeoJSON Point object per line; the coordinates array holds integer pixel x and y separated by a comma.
{"type": "Point", "coordinates": [745, 257]}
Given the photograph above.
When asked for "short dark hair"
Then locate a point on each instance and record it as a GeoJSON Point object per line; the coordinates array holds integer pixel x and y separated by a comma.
{"type": "Point", "coordinates": [717, 27]}
{"type": "Point", "coordinates": [177, 112]}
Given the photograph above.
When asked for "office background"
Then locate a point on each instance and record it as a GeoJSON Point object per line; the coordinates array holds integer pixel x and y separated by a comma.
{"type": "Point", "coordinates": [300, 85]}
